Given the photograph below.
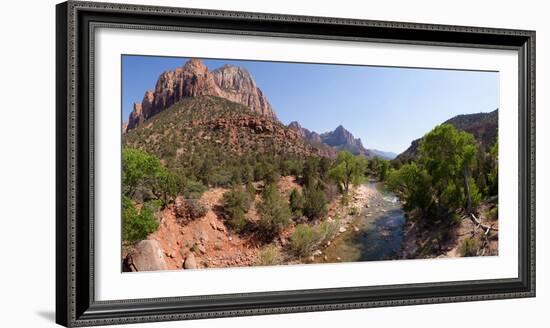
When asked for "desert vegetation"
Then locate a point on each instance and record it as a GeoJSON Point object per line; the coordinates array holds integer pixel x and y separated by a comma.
{"type": "Point", "coordinates": [211, 180]}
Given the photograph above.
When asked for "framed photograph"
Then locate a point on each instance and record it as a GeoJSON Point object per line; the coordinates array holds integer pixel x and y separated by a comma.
{"type": "Point", "coordinates": [214, 163]}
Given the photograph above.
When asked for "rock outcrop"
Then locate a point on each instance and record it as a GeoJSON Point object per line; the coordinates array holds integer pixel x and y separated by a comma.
{"type": "Point", "coordinates": [310, 136]}
{"type": "Point", "coordinates": [193, 80]}
{"type": "Point", "coordinates": [146, 256]}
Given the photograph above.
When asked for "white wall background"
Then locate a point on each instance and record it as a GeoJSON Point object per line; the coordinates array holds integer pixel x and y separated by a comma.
{"type": "Point", "coordinates": [27, 161]}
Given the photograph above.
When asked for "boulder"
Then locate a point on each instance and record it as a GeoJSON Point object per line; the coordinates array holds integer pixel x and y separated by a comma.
{"type": "Point", "coordinates": [147, 256]}
{"type": "Point", "coordinates": [190, 262]}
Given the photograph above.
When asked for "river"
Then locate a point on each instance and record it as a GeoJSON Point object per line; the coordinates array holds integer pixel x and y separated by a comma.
{"type": "Point", "coordinates": [379, 232]}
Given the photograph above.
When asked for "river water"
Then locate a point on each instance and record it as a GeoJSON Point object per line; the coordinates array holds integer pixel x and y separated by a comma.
{"type": "Point", "coordinates": [379, 230]}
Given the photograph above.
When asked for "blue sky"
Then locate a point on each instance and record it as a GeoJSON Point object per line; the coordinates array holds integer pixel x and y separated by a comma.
{"type": "Point", "coordinates": [387, 107]}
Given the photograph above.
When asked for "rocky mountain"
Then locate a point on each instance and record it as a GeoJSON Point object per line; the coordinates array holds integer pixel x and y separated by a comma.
{"type": "Point", "coordinates": [483, 126]}
{"type": "Point", "coordinates": [212, 125]}
{"type": "Point", "coordinates": [194, 80]}
{"type": "Point", "coordinates": [310, 136]}
{"type": "Point", "coordinates": [342, 139]}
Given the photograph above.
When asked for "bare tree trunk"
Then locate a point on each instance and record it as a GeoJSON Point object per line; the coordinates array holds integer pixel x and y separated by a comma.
{"type": "Point", "coordinates": [484, 226]}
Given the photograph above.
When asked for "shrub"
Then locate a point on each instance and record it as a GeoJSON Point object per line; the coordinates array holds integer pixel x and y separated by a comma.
{"type": "Point", "coordinates": [269, 256]}
{"type": "Point", "coordinates": [296, 202]}
{"type": "Point", "coordinates": [326, 231]}
{"type": "Point", "coordinates": [194, 189]}
{"type": "Point", "coordinates": [303, 240]}
{"type": "Point", "coordinates": [274, 212]}
{"type": "Point", "coordinates": [195, 208]}
{"type": "Point", "coordinates": [290, 167]}
{"type": "Point", "coordinates": [469, 247]}
{"type": "Point", "coordinates": [251, 190]}
{"type": "Point", "coordinates": [266, 171]}
{"type": "Point", "coordinates": [235, 204]}
{"type": "Point", "coordinates": [310, 171]}
{"type": "Point", "coordinates": [247, 173]}
{"type": "Point", "coordinates": [137, 225]}
{"type": "Point", "coordinates": [315, 202]}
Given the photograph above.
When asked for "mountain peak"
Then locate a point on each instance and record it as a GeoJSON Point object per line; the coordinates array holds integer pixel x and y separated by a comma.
{"type": "Point", "coordinates": [195, 65]}
{"type": "Point", "coordinates": [342, 139]}
{"type": "Point", "coordinates": [194, 79]}
{"type": "Point", "coordinates": [295, 125]}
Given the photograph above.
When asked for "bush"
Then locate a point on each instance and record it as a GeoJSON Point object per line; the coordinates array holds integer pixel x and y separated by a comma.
{"type": "Point", "coordinates": [469, 247]}
{"type": "Point", "coordinates": [235, 204]}
{"type": "Point", "coordinates": [269, 256]}
{"type": "Point", "coordinates": [315, 202]}
{"type": "Point", "coordinates": [326, 231]}
{"type": "Point", "coordinates": [303, 240]}
{"type": "Point", "coordinates": [296, 202]}
{"type": "Point", "coordinates": [250, 190]}
{"type": "Point", "coordinates": [194, 189]}
{"type": "Point", "coordinates": [290, 167]}
{"type": "Point", "coordinates": [274, 212]}
{"type": "Point", "coordinates": [310, 171]}
{"type": "Point", "coordinates": [195, 208]}
{"type": "Point", "coordinates": [266, 171]}
{"type": "Point", "coordinates": [137, 225]}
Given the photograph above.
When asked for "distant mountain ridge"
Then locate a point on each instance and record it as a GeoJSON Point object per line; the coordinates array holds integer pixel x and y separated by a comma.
{"type": "Point", "coordinates": [194, 79]}
{"type": "Point", "coordinates": [383, 154]}
{"type": "Point", "coordinates": [340, 139]}
{"type": "Point", "coordinates": [483, 126]}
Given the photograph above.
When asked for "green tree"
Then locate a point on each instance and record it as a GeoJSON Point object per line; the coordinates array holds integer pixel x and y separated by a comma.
{"type": "Point", "coordinates": [236, 203]}
{"type": "Point", "coordinates": [139, 169]}
{"type": "Point", "coordinates": [348, 170]}
{"type": "Point", "coordinates": [449, 156]}
{"type": "Point", "coordinates": [315, 201]}
{"type": "Point", "coordinates": [310, 172]}
{"type": "Point", "coordinates": [136, 225]}
{"type": "Point", "coordinates": [413, 184]}
{"type": "Point", "coordinates": [274, 212]}
{"type": "Point", "coordinates": [167, 185]}
{"type": "Point", "coordinates": [383, 169]}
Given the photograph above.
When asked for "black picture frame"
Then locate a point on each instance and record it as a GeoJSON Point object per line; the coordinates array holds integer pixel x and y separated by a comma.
{"type": "Point", "coordinates": [75, 302]}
